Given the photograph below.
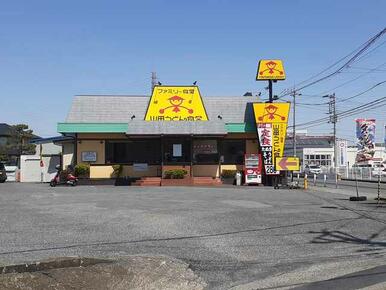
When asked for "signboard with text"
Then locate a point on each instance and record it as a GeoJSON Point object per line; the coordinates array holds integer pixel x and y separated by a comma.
{"type": "Point", "coordinates": [270, 69]}
{"type": "Point", "coordinates": [89, 156]}
{"type": "Point", "coordinates": [140, 167]}
{"type": "Point", "coordinates": [342, 153]}
{"type": "Point", "coordinates": [176, 103]}
{"type": "Point", "coordinates": [271, 122]}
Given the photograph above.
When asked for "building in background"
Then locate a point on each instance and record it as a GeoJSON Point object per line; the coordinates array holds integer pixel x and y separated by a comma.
{"type": "Point", "coordinates": [40, 167]}
{"type": "Point", "coordinates": [319, 150]}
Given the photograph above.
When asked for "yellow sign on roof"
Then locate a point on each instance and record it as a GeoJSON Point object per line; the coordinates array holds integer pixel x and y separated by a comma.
{"type": "Point", "coordinates": [270, 69]}
{"type": "Point", "coordinates": [176, 103]}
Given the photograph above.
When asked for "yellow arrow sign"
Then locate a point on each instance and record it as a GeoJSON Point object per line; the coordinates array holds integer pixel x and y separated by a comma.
{"type": "Point", "coordinates": [287, 163]}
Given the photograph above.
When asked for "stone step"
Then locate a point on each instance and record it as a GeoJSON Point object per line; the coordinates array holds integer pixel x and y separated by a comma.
{"type": "Point", "coordinates": [151, 178]}
{"type": "Point", "coordinates": [147, 183]}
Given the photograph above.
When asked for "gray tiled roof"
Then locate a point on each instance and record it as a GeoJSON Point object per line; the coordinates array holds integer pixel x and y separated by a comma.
{"type": "Point", "coordinates": [119, 109]}
{"type": "Point", "coordinates": [310, 142]}
{"type": "Point", "coordinates": [141, 127]}
{"type": "Point", "coordinates": [6, 130]}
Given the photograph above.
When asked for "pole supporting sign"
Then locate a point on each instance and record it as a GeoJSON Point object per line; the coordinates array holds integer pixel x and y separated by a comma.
{"type": "Point", "coordinates": [287, 163]}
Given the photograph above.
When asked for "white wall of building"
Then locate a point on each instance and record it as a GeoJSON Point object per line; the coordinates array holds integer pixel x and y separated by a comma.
{"type": "Point", "coordinates": [48, 149]}
{"type": "Point", "coordinates": [318, 156]}
{"type": "Point", "coordinates": [317, 153]}
{"type": "Point", "coordinates": [30, 170]}
{"type": "Point", "coordinates": [379, 156]}
{"type": "Point", "coordinates": [41, 166]}
{"type": "Point", "coordinates": [68, 154]}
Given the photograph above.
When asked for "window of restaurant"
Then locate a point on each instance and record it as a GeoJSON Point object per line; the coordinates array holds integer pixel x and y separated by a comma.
{"type": "Point", "coordinates": [133, 151]}
{"type": "Point", "coordinates": [233, 151]}
{"type": "Point", "coordinates": [205, 151]}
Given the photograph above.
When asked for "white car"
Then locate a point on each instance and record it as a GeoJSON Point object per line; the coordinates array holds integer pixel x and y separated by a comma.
{"type": "Point", "coordinates": [313, 169]}
{"type": "Point", "coordinates": [379, 172]}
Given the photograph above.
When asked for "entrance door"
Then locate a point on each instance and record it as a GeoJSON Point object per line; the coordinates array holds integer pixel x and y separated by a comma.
{"type": "Point", "coordinates": [177, 154]}
{"type": "Point", "coordinates": [177, 151]}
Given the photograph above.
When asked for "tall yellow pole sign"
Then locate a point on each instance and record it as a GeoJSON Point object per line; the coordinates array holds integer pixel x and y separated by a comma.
{"type": "Point", "coordinates": [176, 103]}
{"type": "Point", "coordinates": [270, 69]}
{"type": "Point", "coordinates": [271, 122]}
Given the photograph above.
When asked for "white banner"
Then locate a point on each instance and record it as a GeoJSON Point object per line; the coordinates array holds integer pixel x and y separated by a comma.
{"type": "Point", "coordinates": [265, 133]}
{"type": "Point", "coordinates": [342, 153]}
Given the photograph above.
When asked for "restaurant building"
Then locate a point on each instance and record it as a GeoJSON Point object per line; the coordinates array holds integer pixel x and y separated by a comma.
{"type": "Point", "coordinates": [174, 128]}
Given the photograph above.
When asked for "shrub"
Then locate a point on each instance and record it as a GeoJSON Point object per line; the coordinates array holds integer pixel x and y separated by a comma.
{"type": "Point", "coordinates": [117, 170]}
{"type": "Point", "coordinates": [175, 173]}
{"type": "Point", "coordinates": [228, 173]}
{"type": "Point", "coordinates": [82, 169]}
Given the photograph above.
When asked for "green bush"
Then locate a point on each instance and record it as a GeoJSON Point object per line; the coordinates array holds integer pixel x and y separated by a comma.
{"type": "Point", "coordinates": [175, 174]}
{"type": "Point", "coordinates": [228, 173]}
{"type": "Point", "coordinates": [82, 169]}
{"type": "Point", "coordinates": [117, 170]}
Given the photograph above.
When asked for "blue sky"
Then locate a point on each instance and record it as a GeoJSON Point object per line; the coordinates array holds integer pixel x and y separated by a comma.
{"type": "Point", "coordinates": [53, 50]}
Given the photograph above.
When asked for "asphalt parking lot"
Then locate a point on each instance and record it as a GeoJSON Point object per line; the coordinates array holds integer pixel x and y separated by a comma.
{"type": "Point", "coordinates": [246, 238]}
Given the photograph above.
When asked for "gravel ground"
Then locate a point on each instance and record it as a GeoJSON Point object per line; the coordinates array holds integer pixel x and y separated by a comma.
{"type": "Point", "coordinates": [247, 238]}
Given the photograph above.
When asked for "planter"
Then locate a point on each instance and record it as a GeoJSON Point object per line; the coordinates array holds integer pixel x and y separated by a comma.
{"type": "Point", "coordinates": [122, 181]}
{"type": "Point", "coordinates": [229, 180]}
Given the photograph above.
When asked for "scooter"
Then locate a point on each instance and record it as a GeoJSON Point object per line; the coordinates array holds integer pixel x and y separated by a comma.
{"type": "Point", "coordinates": [69, 178]}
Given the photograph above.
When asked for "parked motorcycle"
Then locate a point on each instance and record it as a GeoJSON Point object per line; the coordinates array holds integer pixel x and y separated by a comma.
{"type": "Point", "coordinates": [67, 179]}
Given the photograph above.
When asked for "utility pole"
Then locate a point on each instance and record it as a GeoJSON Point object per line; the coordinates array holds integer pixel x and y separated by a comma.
{"type": "Point", "coordinates": [153, 80]}
{"type": "Point", "coordinates": [294, 125]}
{"type": "Point", "coordinates": [333, 120]}
{"type": "Point", "coordinates": [270, 94]}
{"type": "Point", "coordinates": [294, 94]}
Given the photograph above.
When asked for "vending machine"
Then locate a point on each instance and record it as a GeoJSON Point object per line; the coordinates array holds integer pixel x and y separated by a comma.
{"type": "Point", "coordinates": [252, 168]}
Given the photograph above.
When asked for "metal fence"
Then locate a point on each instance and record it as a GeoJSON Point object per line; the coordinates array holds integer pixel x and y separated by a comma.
{"type": "Point", "coordinates": [361, 173]}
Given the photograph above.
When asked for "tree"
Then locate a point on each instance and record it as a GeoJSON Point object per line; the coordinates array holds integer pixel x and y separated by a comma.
{"type": "Point", "coordinates": [17, 144]}
{"type": "Point", "coordinates": [20, 139]}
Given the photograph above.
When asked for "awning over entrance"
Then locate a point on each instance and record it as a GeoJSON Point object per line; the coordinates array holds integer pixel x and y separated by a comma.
{"type": "Point", "coordinates": [141, 127]}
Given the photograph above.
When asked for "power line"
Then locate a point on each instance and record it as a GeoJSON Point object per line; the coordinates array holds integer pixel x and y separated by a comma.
{"type": "Point", "coordinates": [346, 99]}
{"type": "Point", "coordinates": [371, 51]}
{"type": "Point", "coordinates": [354, 79]}
{"type": "Point", "coordinates": [359, 50]}
{"type": "Point", "coordinates": [331, 66]}
{"type": "Point", "coordinates": [357, 95]}
{"type": "Point", "coordinates": [352, 110]}
{"type": "Point", "coordinates": [368, 69]}
{"type": "Point", "coordinates": [365, 107]}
